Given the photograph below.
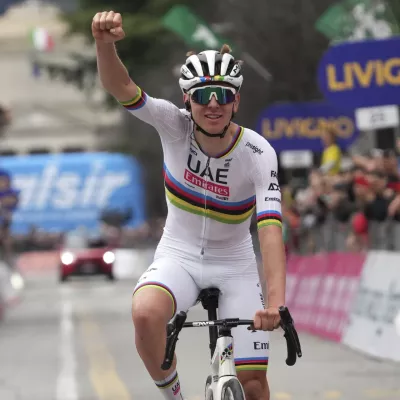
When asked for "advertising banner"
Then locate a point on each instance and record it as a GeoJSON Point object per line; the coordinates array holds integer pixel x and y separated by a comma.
{"type": "Point", "coordinates": [374, 323]}
{"type": "Point", "coordinates": [59, 192]}
{"type": "Point", "coordinates": [300, 126]}
{"type": "Point", "coordinates": [361, 74]}
{"type": "Point", "coordinates": [321, 289]}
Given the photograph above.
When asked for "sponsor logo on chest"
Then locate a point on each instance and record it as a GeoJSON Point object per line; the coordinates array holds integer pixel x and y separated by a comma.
{"type": "Point", "coordinates": [201, 175]}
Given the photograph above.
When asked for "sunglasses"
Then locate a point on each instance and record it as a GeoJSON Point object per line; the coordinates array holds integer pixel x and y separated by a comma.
{"type": "Point", "coordinates": [222, 94]}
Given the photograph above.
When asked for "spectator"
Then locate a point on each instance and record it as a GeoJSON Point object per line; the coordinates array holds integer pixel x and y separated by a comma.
{"type": "Point", "coordinates": [358, 237]}
{"type": "Point", "coordinates": [390, 166]}
{"type": "Point", "coordinates": [5, 117]}
{"type": "Point", "coordinates": [332, 155]}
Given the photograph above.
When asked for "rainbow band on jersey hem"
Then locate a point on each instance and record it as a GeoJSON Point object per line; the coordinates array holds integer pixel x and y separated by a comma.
{"type": "Point", "coordinates": [269, 217]}
{"type": "Point", "coordinates": [160, 286]}
{"type": "Point", "coordinates": [251, 364]}
{"type": "Point", "coordinates": [137, 102]}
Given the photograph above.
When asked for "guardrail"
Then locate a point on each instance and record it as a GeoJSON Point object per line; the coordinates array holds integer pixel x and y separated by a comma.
{"type": "Point", "coordinates": [332, 236]}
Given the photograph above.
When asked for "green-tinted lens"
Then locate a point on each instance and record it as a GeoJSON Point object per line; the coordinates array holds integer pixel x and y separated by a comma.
{"type": "Point", "coordinates": [203, 95]}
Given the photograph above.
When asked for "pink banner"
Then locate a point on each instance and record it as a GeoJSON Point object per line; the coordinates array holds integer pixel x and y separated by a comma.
{"type": "Point", "coordinates": [320, 290]}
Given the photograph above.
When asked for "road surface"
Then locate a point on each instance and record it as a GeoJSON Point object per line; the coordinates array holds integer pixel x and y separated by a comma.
{"type": "Point", "coordinates": [75, 342]}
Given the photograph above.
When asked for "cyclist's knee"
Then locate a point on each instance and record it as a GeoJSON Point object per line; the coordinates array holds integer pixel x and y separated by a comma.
{"type": "Point", "coordinates": [255, 384]}
{"type": "Point", "coordinates": [151, 307]}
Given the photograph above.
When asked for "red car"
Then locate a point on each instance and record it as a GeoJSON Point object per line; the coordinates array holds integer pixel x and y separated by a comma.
{"type": "Point", "coordinates": [80, 256]}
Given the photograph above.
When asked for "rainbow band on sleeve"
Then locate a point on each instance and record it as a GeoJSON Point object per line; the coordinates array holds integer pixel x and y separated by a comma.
{"type": "Point", "coordinates": [137, 102]}
{"type": "Point", "coordinates": [269, 217]}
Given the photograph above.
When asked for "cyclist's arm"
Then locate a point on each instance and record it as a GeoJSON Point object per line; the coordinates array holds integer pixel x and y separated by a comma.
{"type": "Point", "coordinates": [269, 224]}
{"type": "Point", "coordinates": [168, 119]}
{"type": "Point", "coordinates": [112, 72]}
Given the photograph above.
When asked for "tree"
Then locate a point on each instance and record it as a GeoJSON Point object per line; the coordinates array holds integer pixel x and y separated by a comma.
{"type": "Point", "coordinates": [395, 7]}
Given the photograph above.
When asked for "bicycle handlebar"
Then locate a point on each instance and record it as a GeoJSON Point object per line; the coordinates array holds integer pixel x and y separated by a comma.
{"type": "Point", "coordinates": [176, 325]}
{"type": "Point", "coordinates": [291, 336]}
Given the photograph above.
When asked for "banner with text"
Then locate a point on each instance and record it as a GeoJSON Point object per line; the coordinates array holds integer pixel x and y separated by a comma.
{"type": "Point", "coordinates": [374, 323]}
{"type": "Point", "coordinates": [59, 192]}
{"type": "Point", "coordinates": [320, 291]}
{"type": "Point", "coordinates": [300, 126]}
{"type": "Point", "coordinates": [361, 74]}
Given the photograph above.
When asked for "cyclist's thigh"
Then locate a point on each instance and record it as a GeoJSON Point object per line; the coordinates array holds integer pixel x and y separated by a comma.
{"type": "Point", "coordinates": [168, 275]}
{"type": "Point", "coordinates": [241, 297]}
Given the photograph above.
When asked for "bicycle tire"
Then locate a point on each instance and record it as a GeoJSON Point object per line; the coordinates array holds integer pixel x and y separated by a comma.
{"type": "Point", "coordinates": [232, 390]}
{"type": "Point", "coordinates": [208, 383]}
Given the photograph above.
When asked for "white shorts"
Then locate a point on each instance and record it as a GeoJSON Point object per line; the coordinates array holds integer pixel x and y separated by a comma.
{"type": "Point", "coordinates": [241, 296]}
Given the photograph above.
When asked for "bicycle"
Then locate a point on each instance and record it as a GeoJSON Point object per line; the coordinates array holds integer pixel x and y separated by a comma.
{"type": "Point", "coordinates": [223, 383]}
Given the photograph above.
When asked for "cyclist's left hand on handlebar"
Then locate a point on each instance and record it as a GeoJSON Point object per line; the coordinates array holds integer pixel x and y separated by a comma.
{"type": "Point", "coordinates": [267, 320]}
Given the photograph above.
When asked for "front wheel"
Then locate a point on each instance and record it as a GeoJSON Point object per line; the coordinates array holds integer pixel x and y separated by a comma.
{"type": "Point", "coordinates": [208, 393]}
{"type": "Point", "coordinates": [232, 390]}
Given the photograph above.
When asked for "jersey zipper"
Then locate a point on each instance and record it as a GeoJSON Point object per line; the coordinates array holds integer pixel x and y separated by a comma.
{"type": "Point", "coordinates": [205, 212]}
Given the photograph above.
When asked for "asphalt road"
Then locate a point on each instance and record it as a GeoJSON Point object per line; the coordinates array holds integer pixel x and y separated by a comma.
{"type": "Point", "coordinates": [75, 342]}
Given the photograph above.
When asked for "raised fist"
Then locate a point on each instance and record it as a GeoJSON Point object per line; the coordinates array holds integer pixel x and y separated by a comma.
{"type": "Point", "coordinates": [107, 27]}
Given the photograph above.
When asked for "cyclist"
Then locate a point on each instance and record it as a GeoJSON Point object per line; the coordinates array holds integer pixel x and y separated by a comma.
{"type": "Point", "coordinates": [215, 173]}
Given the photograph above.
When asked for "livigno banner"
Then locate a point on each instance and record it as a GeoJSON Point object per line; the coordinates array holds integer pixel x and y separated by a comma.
{"type": "Point", "coordinates": [300, 126]}
{"type": "Point", "coordinates": [361, 74]}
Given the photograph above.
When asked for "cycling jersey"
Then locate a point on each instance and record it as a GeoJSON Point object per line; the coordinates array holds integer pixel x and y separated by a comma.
{"type": "Point", "coordinates": [211, 199]}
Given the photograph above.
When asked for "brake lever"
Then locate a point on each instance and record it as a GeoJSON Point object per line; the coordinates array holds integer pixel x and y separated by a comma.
{"type": "Point", "coordinates": [292, 339]}
{"type": "Point", "coordinates": [173, 329]}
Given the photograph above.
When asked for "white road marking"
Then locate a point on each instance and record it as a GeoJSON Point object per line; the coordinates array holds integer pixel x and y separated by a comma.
{"type": "Point", "coordinates": [66, 381]}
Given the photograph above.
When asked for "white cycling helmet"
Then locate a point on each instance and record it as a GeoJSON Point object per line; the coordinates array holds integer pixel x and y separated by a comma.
{"type": "Point", "coordinates": [210, 66]}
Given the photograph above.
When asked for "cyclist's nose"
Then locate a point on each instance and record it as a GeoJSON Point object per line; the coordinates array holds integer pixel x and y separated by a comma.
{"type": "Point", "coordinates": [213, 103]}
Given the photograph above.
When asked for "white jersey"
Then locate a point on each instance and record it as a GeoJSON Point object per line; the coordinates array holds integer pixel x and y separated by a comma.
{"type": "Point", "coordinates": [211, 199]}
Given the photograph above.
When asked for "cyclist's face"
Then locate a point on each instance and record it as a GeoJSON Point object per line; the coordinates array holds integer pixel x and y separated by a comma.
{"type": "Point", "coordinates": [213, 117]}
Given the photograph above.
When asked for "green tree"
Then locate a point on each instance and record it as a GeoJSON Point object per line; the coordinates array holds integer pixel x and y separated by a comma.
{"type": "Point", "coordinates": [395, 7]}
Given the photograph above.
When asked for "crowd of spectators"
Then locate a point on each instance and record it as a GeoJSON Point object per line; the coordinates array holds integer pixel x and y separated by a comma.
{"type": "Point", "coordinates": [352, 194]}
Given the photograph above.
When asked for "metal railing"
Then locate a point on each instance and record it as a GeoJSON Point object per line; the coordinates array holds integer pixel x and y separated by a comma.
{"type": "Point", "coordinates": [333, 235]}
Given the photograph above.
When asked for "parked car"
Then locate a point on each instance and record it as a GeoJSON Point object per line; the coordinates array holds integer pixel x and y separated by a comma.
{"type": "Point", "coordinates": [82, 256]}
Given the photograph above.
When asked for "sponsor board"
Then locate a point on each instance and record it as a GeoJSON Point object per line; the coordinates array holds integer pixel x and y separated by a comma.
{"type": "Point", "coordinates": [374, 326]}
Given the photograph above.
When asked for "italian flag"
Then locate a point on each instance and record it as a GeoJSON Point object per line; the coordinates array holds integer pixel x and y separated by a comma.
{"type": "Point", "coordinates": [41, 39]}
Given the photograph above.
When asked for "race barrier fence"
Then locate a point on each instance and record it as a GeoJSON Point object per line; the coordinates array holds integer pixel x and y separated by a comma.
{"type": "Point", "coordinates": [349, 298]}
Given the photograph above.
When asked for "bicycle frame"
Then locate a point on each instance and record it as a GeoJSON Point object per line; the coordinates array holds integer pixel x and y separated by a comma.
{"type": "Point", "coordinates": [221, 344]}
{"type": "Point", "coordinates": [222, 367]}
